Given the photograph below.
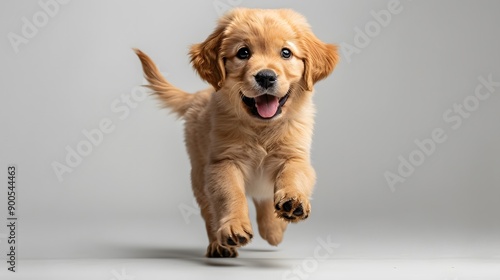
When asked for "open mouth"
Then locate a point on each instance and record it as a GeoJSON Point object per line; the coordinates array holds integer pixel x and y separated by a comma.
{"type": "Point", "coordinates": [265, 106]}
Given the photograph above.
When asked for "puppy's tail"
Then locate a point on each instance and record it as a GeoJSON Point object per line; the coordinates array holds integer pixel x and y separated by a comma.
{"type": "Point", "coordinates": [174, 98]}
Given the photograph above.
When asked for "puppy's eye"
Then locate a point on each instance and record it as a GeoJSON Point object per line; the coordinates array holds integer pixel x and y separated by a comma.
{"type": "Point", "coordinates": [243, 53]}
{"type": "Point", "coordinates": [286, 53]}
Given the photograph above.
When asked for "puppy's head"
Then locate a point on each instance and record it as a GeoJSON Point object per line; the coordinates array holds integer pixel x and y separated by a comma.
{"type": "Point", "coordinates": [263, 60]}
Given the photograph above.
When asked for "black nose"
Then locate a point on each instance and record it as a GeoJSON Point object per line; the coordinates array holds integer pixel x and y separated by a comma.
{"type": "Point", "coordinates": [266, 78]}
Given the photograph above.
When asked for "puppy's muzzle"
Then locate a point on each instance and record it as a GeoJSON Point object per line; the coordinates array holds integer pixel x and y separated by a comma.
{"type": "Point", "coordinates": [265, 106]}
{"type": "Point", "coordinates": [266, 78]}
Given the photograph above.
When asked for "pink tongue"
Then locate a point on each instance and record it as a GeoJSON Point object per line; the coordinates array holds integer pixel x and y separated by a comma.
{"type": "Point", "coordinates": [267, 105]}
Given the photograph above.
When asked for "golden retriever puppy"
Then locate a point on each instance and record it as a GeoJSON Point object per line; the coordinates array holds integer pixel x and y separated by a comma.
{"type": "Point", "coordinates": [249, 135]}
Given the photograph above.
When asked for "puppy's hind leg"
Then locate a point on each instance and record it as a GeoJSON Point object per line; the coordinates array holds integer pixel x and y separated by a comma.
{"type": "Point", "coordinates": [271, 228]}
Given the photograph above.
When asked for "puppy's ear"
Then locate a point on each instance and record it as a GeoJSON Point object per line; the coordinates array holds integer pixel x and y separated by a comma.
{"type": "Point", "coordinates": [207, 59]}
{"type": "Point", "coordinates": [319, 59]}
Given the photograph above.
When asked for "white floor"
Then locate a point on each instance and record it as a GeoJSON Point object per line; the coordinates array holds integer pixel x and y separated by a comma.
{"type": "Point", "coordinates": [132, 250]}
{"type": "Point", "coordinates": [250, 266]}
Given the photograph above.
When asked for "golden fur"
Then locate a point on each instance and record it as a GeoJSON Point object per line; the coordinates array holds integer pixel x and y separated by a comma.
{"type": "Point", "coordinates": [234, 153]}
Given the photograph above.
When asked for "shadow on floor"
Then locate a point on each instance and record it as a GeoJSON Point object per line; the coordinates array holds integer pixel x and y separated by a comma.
{"type": "Point", "coordinates": [194, 256]}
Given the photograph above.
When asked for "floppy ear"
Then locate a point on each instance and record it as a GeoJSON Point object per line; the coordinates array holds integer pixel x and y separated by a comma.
{"type": "Point", "coordinates": [319, 59]}
{"type": "Point", "coordinates": [207, 59]}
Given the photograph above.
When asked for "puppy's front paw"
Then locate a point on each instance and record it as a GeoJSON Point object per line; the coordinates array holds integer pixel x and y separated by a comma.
{"type": "Point", "coordinates": [291, 206]}
{"type": "Point", "coordinates": [234, 233]}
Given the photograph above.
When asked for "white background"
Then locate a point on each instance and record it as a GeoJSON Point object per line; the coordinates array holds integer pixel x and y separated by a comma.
{"type": "Point", "coordinates": [126, 198]}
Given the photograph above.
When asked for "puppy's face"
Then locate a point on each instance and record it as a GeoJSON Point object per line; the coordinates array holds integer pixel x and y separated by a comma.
{"type": "Point", "coordinates": [262, 60]}
{"type": "Point", "coordinates": [263, 63]}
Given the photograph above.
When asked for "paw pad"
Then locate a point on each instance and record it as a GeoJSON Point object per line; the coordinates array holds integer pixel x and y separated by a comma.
{"type": "Point", "coordinates": [292, 209]}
